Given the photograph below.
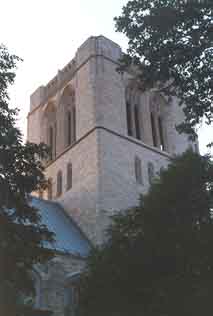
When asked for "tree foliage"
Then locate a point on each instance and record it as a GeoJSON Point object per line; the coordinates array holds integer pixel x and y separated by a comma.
{"type": "Point", "coordinates": [22, 235]}
{"type": "Point", "coordinates": [171, 42]}
{"type": "Point", "coordinates": [158, 259]}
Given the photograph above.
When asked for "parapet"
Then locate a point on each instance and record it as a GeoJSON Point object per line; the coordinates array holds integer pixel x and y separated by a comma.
{"type": "Point", "coordinates": [93, 46]}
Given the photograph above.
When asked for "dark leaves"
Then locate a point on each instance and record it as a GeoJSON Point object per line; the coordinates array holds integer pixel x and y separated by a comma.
{"type": "Point", "coordinates": [22, 236]}
{"type": "Point", "coordinates": [171, 41]}
{"type": "Point", "coordinates": [158, 258]}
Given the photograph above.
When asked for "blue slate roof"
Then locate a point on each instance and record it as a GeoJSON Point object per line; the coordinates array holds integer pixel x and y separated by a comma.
{"type": "Point", "coordinates": [68, 237]}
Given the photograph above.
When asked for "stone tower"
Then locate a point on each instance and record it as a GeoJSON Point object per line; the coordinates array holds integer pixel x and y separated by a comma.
{"type": "Point", "coordinates": [108, 139]}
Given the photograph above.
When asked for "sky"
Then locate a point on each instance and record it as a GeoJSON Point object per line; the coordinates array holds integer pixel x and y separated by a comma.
{"type": "Point", "coordinates": [46, 35]}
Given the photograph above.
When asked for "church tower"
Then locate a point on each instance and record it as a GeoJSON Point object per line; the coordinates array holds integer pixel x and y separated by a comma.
{"type": "Point", "coordinates": [108, 139]}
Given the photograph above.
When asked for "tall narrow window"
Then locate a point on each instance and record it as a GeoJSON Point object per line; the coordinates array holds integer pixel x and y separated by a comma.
{"type": "Point", "coordinates": [129, 119]}
{"type": "Point", "coordinates": [137, 122]}
{"type": "Point", "coordinates": [162, 144]}
{"type": "Point", "coordinates": [55, 139]}
{"type": "Point", "coordinates": [71, 298]}
{"type": "Point", "coordinates": [151, 172]}
{"type": "Point", "coordinates": [51, 145]}
{"type": "Point", "coordinates": [59, 183]}
{"type": "Point", "coordinates": [73, 124]}
{"type": "Point", "coordinates": [69, 138]}
{"type": "Point", "coordinates": [69, 176]}
{"type": "Point", "coordinates": [36, 298]}
{"type": "Point", "coordinates": [138, 171]}
{"type": "Point", "coordinates": [154, 134]}
{"type": "Point", "coordinates": [50, 189]}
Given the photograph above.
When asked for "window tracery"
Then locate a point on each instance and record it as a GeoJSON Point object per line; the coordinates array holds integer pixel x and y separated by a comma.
{"type": "Point", "coordinates": [158, 127]}
{"type": "Point", "coordinates": [133, 113]}
{"type": "Point", "coordinates": [49, 128]}
{"type": "Point", "coordinates": [68, 106]}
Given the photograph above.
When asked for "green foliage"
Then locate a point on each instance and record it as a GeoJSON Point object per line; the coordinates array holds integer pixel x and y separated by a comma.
{"type": "Point", "coordinates": [171, 42]}
{"type": "Point", "coordinates": [158, 259]}
{"type": "Point", "coordinates": [22, 235]}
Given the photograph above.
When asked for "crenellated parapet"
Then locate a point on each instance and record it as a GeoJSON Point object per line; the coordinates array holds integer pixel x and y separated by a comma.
{"type": "Point", "coordinates": [93, 47]}
{"type": "Point", "coordinates": [44, 93]}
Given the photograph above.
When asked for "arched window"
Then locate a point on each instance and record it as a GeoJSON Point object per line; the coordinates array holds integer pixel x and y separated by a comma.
{"type": "Point", "coordinates": [67, 102]}
{"type": "Point", "coordinates": [154, 133]}
{"type": "Point", "coordinates": [151, 172]}
{"type": "Point", "coordinates": [55, 139]}
{"type": "Point", "coordinates": [160, 124]}
{"type": "Point", "coordinates": [37, 286]}
{"type": "Point", "coordinates": [50, 189]}
{"type": "Point", "coordinates": [129, 119]}
{"type": "Point", "coordinates": [51, 144]}
{"type": "Point", "coordinates": [59, 183]}
{"type": "Point", "coordinates": [137, 122]}
{"type": "Point", "coordinates": [73, 116]}
{"type": "Point", "coordinates": [138, 171]}
{"type": "Point", "coordinates": [69, 131]}
{"type": "Point", "coordinates": [48, 126]}
{"type": "Point", "coordinates": [69, 176]}
{"type": "Point", "coordinates": [71, 296]}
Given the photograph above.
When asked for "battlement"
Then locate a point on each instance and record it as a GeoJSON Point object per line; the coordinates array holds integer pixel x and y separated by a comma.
{"type": "Point", "coordinates": [93, 46]}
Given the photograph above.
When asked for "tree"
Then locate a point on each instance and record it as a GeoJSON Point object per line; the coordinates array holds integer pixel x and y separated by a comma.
{"type": "Point", "coordinates": [158, 258]}
{"type": "Point", "coordinates": [171, 42]}
{"type": "Point", "coordinates": [22, 236]}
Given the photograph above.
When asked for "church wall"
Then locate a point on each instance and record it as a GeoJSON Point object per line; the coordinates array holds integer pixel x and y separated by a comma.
{"type": "Point", "coordinates": [110, 101]}
{"type": "Point", "coordinates": [54, 277]}
{"type": "Point", "coordinates": [109, 88]}
{"type": "Point", "coordinates": [85, 115]}
{"type": "Point", "coordinates": [81, 201]}
{"type": "Point", "coordinates": [33, 124]}
{"type": "Point", "coordinates": [178, 143]}
{"type": "Point", "coordinates": [103, 163]}
{"type": "Point", "coordinates": [118, 186]}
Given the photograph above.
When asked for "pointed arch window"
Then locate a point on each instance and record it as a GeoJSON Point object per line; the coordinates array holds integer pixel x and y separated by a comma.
{"type": "Point", "coordinates": [129, 119]}
{"type": "Point", "coordinates": [51, 142]}
{"type": "Point", "coordinates": [154, 132]}
{"type": "Point", "coordinates": [59, 183]}
{"type": "Point", "coordinates": [73, 123]}
{"type": "Point", "coordinates": [151, 172]}
{"type": "Point", "coordinates": [160, 124]}
{"type": "Point", "coordinates": [37, 286]}
{"type": "Point", "coordinates": [69, 124]}
{"type": "Point", "coordinates": [69, 176]}
{"type": "Point", "coordinates": [138, 171]}
{"type": "Point", "coordinates": [68, 102]}
{"type": "Point", "coordinates": [71, 297]}
{"type": "Point", "coordinates": [137, 122]}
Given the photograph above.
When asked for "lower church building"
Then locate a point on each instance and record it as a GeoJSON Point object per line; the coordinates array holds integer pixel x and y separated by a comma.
{"type": "Point", "coordinates": [108, 141]}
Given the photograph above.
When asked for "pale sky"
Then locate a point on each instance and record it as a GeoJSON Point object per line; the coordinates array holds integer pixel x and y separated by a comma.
{"type": "Point", "coordinates": [46, 35]}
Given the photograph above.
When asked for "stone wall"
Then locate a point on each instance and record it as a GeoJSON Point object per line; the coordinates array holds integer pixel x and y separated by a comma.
{"type": "Point", "coordinates": [117, 185]}
{"type": "Point", "coordinates": [80, 201]}
{"type": "Point", "coordinates": [54, 276]}
{"type": "Point", "coordinates": [103, 155]}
